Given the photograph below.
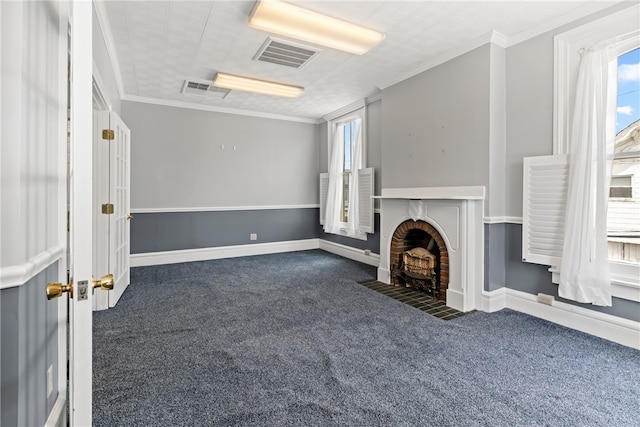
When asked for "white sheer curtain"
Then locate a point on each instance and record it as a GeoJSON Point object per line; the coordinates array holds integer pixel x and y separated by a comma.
{"type": "Point", "coordinates": [332, 223]}
{"type": "Point", "coordinates": [584, 271]}
{"type": "Point", "coordinates": [353, 226]}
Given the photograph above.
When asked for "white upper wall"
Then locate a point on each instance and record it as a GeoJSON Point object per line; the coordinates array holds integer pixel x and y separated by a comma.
{"type": "Point", "coordinates": [435, 126]}
{"type": "Point", "coordinates": [189, 159]}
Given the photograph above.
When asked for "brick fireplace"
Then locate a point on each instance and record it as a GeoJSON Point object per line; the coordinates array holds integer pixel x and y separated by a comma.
{"type": "Point", "coordinates": [452, 218]}
{"type": "Point", "coordinates": [420, 234]}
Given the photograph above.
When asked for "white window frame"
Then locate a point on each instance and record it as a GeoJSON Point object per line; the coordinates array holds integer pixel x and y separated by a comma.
{"type": "Point", "coordinates": [351, 112]}
{"type": "Point", "coordinates": [630, 186]}
{"type": "Point", "coordinates": [342, 122]}
{"type": "Point", "coordinates": [567, 47]}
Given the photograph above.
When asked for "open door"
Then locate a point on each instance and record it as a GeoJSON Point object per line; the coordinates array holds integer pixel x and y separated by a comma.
{"type": "Point", "coordinates": [111, 212]}
{"type": "Point", "coordinates": [111, 177]}
{"type": "Point", "coordinates": [81, 207]}
{"type": "Point", "coordinates": [78, 289]}
{"type": "Point", "coordinates": [119, 224]}
{"type": "Point", "coordinates": [46, 212]}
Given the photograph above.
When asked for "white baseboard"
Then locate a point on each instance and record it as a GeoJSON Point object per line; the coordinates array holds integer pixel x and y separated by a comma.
{"type": "Point", "coordinates": [203, 254]}
{"type": "Point", "coordinates": [384, 275]}
{"type": "Point", "coordinates": [351, 253]}
{"type": "Point", "coordinates": [455, 299]}
{"type": "Point", "coordinates": [612, 328]}
{"type": "Point", "coordinates": [494, 300]}
{"type": "Point", "coordinates": [57, 416]}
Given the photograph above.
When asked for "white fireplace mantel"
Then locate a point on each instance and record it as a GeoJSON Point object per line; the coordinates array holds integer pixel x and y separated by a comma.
{"type": "Point", "coordinates": [434, 193]}
{"type": "Point", "coordinates": [456, 212]}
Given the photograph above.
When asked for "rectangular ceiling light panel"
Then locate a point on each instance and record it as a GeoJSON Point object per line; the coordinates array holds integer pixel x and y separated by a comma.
{"type": "Point", "coordinates": [302, 24]}
{"type": "Point", "coordinates": [247, 84]}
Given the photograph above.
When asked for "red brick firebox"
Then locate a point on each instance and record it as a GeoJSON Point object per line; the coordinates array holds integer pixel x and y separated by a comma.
{"type": "Point", "coordinates": [404, 239]}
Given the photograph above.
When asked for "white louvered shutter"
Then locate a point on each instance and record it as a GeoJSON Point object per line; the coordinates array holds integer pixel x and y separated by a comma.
{"type": "Point", "coordinates": [546, 181]}
{"type": "Point", "coordinates": [365, 200]}
{"type": "Point", "coordinates": [324, 191]}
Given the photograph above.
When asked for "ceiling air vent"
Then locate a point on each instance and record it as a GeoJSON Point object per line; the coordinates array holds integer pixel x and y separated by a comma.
{"type": "Point", "coordinates": [285, 53]}
{"type": "Point", "coordinates": [203, 88]}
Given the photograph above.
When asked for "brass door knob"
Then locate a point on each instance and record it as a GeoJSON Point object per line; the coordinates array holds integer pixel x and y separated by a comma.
{"type": "Point", "coordinates": [55, 290]}
{"type": "Point", "coordinates": [129, 217]}
{"type": "Point", "coordinates": [105, 282]}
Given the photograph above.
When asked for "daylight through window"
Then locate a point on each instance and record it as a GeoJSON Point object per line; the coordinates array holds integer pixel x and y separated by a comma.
{"type": "Point", "coordinates": [623, 215]}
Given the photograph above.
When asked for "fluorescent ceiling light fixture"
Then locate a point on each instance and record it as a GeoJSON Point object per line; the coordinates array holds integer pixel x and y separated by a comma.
{"type": "Point", "coordinates": [247, 84]}
{"type": "Point", "coordinates": [293, 21]}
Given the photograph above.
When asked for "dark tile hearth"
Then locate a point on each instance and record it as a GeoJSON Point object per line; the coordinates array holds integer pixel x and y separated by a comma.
{"type": "Point", "coordinates": [416, 299]}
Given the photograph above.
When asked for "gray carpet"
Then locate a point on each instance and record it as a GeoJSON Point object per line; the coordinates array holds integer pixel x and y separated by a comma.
{"type": "Point", "coordinates": [293, 340]}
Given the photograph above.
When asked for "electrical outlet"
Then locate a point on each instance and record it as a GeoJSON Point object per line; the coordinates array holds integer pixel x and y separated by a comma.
{"type": "Point", "coordinates": [545, 299]}
{"type": "Point", "coordinates": [49, 380]}
{"type": "Point", "coordinates": [253, 236]}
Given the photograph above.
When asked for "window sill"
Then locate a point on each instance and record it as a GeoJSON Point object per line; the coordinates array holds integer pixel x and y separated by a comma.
{"type": "Point", "coordinates": [357, 235]}
{"type": "Point", "coordinates": [624, 280]}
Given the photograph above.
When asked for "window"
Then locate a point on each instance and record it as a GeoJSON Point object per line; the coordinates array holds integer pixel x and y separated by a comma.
{"type": "Point", "coordinates": [620, 188]}
{"type": "Point", "coordinates": [623, 215]}
{"type": "Point", "coordinates": [542, 220]}
{"type": "Point", "coordinates": [346, 191]}
{"type": "Point", "coordinates": [349, 134]}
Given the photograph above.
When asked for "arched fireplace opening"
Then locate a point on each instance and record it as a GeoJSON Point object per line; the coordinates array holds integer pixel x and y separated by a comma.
{"type": "Point", "coordinates": [419, 258]}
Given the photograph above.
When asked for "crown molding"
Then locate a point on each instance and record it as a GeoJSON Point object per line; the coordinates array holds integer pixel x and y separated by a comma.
{"type": "Point", "coordinates": [491, 37]}
{"type": "Point", "coordinates": [567, 18]}
{"type": "Point", "coordinates": [215, 109]}
{"type": "Point", "coordinates": [361, 103]}
{"type": "Point", "coordinates": [105, 30]}
{"type": "Point", "coordinates": [498, 39]}
{"type": "Point", "coordinates": [503, 41]}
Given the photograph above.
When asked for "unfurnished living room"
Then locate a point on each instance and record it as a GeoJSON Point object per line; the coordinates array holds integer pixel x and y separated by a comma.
{"type": "Point", "coordinates": [349, 213]}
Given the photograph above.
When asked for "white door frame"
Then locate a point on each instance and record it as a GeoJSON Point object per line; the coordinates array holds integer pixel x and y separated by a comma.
{"type": "Point", "coordinates": [101, 234]}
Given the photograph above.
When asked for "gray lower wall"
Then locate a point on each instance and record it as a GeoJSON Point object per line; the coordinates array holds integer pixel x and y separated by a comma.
{"type": "Point", "coordinates": [157, 232]}
{"type": "Point", "coordinates": [170, 231]}
{"type": "Point", "coordinates": [494, 256]}
{"type": "Point", "coordinates": [534, 279]}
{"type": "Point", "coordinates": [28, 346]}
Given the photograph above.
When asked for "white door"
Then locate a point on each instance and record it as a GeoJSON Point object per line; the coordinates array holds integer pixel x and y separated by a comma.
{"type": "Point", "coordinates": [119, 228]}
{"type": "Point", "coordinates": [111, 177]}
{"type": "Point", "coordinates": [119, 222]}
{"type": "Point", "coordinates": [43, 43]}
{"type": "Point", "coordinates": [81, 224]}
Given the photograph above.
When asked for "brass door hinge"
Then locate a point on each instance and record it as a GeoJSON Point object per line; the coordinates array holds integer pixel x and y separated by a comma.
{"type": "Point", "coordinates": [108, 134]}
{"type": "Point", "coordinates": [107, 208]}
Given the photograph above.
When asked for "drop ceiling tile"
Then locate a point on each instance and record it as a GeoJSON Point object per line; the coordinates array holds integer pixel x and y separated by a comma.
{"type": "Point", "coordinates": [159, 44]}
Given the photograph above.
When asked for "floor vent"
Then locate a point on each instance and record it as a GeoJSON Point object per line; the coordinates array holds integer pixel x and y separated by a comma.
{"type": "Point", "coordinates": [203, 88]}
{"type": "Point", "coordinates": [285, 53]}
